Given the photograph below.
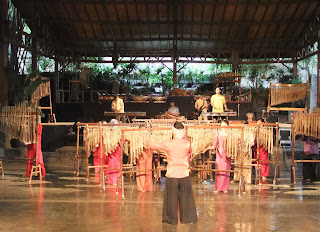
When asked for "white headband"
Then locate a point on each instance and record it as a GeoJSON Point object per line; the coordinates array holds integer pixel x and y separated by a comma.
{"type": "Point", "coordinates": [114, 121]}
{"type": "Point", "coordinates": [179, 133]}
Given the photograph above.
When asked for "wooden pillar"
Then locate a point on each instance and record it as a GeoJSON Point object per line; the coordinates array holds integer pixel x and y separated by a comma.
{"type": "Point", "coordinates": [295, 69]}
{"type": "Point", "coordinates": [56, 75]}
{"type": "Point", "coordinates": [57, 97]}
{"type": "Point", "coordinates": [175, 43]}
{"type": "Point", "coordinates": [318, 72]}
{"type": "Point", "coordinates": [235, 60]}
{"type": "Point", "coordinates": [34, 55]}
{"type": "Point", "coordinates": [3, 53]}
{"type": "Point", "coordinates": [34, 52]}
{"type": "Point", "coordinates": [174, 77]}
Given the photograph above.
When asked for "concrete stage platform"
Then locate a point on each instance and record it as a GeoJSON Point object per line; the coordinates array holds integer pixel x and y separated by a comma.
{"type": "Point", "coordinates": [67, 203]}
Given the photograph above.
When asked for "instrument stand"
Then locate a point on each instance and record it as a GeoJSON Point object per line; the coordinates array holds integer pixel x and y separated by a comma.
{"type": "Point", "coordinates": [51, 115]}
{"type": "Point", "coordinates": [35, 170]}
{"type": "Point", "coordinates": [238, 110]}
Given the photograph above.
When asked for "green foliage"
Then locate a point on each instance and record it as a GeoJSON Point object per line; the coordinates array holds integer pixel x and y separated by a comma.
{"type": "Point", "coordinates": [20, 86]}
{"type": "Point", "coordinates": [32, 85]}
{"type": "Point", "coordinates": [45, 64]}
{"type": "Point", "coordinates": [282, 75]}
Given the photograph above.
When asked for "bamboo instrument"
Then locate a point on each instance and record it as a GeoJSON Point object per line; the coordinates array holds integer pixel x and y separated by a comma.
{"type": "Point", "coordinates": [43, 90]}
{"type": "Point", "coordinates": [284, 93]}
{"type": "Point", "coordinates": [307, 124]}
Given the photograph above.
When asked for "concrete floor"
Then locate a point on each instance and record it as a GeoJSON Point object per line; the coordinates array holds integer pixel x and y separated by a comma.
{"type": "Point", "coordinates": [67, 203]}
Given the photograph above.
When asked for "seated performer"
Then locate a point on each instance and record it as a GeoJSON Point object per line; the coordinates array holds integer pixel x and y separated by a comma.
{"type": "Point", "coordinates": [173, 109]}
{"type": "Point", "coordinates": [117, 106]}
{"type": "Point", "coordinates": [223, 160]}
{"type": "Point", "coordinates": [218, 101]}
{"type": "Point", "coordinates": [250, 117]}
{"type": "Point", "coordinates": [178, 190]}
{"type": "Point", "coordinates": [201, 106]}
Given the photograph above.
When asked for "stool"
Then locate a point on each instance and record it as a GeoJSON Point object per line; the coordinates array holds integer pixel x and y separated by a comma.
{"type": "Point", "coordinates": [35, 170]}
{"type": "Point", "coordinates": [1, 167]}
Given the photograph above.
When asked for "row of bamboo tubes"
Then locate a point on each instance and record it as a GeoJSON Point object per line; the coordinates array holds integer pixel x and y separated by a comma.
{"type": "Point", "coordinates": [200, 136]}
{"type": "Point", "coordinates": [19, 121]}
{"type": "Point", "coordinates": [284, 93]}
{"type": "Point", "coordinates": [307, 124]}
{"type": "Point", "coordinates": [240, 139]}
{"type": "Point", "coordinates": [43, 90]}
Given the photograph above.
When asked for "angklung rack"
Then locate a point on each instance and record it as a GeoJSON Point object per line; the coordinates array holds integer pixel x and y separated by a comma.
{"type": "Point", "coordinates": [286, 93]}
{"type": "Point", "coordinates": [133, 137]}
{"type": "Point", "coordinates": [307, 125]}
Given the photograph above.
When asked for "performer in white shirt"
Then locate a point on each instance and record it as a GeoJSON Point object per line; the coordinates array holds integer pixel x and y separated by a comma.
{"type": "Point", "coordinates": [173, 109]}
{"type": "Point", "coordinates": [117, 106]}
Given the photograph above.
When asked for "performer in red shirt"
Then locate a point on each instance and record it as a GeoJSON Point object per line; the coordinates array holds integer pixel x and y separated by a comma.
{"type": "Point", "coordinates": [178, 190]}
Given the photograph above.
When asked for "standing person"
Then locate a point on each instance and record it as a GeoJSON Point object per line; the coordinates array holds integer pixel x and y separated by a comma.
{"type": "Point", "coordinates": [218, 102]}
{"type": "Point", "coordinates": [223, 160]}
{"type": "Point", "coordinates": [311, 152]}
{"type": "Point", "coordinates": [178, 191]}
{"type": "Point", "coordinates": [201, 106]}
{"type": "Point", "coordinates": [117, 106]}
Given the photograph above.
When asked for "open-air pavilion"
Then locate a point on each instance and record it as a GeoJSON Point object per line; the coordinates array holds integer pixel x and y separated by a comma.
{"type": "Point", "coordinates": [234, 32]}
{"type": "Point", "coordinates": [222, 32]}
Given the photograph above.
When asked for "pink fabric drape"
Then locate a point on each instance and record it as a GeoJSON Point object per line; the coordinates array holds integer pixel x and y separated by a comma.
{"type": "Point", "coordinates": [222, 163]}
{"type": "Point", "coordinates": [144, 179]}
{"type": "Point", "coordinates": [97, 159]}
{"type": "Point", "coordinates": [31, 153]}
{"type": "Point", "coordinates": [112, 160]}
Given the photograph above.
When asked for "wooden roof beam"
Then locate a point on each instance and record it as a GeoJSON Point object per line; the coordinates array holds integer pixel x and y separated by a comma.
{"type": "Point", "coordinates": [208, 2]}
{"type": "Point", "coordinates": [171, 22]}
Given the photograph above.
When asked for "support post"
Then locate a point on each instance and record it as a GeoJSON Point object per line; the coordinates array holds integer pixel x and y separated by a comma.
{"type": "Point", "coordinates": [34, 52]}
{"type": "Point", "coordinates": [76, 160]}
{"type": "Point", "coordinates": [57, 80]}
{"type": "Point", "coordinates": [3, 54]}
{"type": "Point", "coordinates": [295, 69]}
{"type": "Point", "coordinates": [293, 174]}
{"type": "Point", "coordinates": [174, 77]}
{"type": "Point", "coordinates": [34, 55]}
{"type": "Point", "coordinates": [318, 72]}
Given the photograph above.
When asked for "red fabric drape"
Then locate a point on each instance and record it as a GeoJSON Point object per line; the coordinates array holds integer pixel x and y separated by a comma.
{"type": "Point", "coordinates": [31, 153]}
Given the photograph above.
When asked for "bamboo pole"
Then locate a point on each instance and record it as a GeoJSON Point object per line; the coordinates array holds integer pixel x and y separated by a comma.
{"type": "Point", "coordinates": [76, 163]}
{"type": "Point", "coordinates": [277, 166]}
{"type": "Point", "coordinates": [258, 168]}
{"type": "Point", "coordinates": [87, 157]}
{"type": "Point", "coordinates": [293, 175]}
